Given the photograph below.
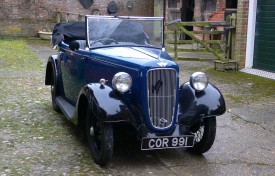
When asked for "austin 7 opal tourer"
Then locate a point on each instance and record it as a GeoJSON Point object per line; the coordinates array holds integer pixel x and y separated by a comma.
{"type": "Point", "coordinates": [112, 70]}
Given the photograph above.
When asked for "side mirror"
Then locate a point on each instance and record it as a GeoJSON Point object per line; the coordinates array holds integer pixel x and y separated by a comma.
{"type": "Point", "coordinates": [74, 45]}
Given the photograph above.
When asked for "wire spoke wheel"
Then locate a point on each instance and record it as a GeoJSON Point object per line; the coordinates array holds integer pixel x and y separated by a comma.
{"type": "Point", "coordinates": [199, 134]}
{"type": "Point", "coordinates": [204, 135]}
{"type": "Point", "coordinates": [100, 139]}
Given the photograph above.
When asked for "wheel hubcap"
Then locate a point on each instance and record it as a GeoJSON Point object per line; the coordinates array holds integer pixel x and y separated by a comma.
{"type": "Point", "coordinates": [199, 134]}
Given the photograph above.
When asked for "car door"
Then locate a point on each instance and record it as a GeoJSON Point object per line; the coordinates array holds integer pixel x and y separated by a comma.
{"type": "Point", "coordinates": [72, 68]}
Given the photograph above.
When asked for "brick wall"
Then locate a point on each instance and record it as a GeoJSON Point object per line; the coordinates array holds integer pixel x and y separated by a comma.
{"type": "Point", "coordinates": [200, 14]}
{"type": "Point", "coordinates": [27, 17]}
{"type": "Point", "coordinates": [241, 32]}
{"type": "Point", "coordinates": [219, 14]}
{"type": "Point", "coordinates": [197, 10]}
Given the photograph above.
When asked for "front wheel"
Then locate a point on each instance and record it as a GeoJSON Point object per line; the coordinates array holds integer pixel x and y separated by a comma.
{"type": "Point", "coordinates": [205, 132]}
{"type": "Point", "coordinates": [100, 139]}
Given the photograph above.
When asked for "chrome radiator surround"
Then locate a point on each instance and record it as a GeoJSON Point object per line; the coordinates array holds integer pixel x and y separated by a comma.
{"type": "Point", "coordinates": [161, 93]}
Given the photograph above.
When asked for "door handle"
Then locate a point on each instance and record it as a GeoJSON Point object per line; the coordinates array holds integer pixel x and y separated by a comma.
{"type": "Point", "coordinates": [61, 54]}
{"type": "Point", "coordinates": [84, 60]}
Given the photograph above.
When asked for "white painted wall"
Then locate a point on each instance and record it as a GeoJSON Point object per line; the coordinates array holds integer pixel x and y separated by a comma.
{"type": "Point", "coordinates": [251, 33]}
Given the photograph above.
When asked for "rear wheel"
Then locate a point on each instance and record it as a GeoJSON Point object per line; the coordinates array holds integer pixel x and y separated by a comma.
{"type": "Point", "coordinates": [100, 139]}
{"type": "Point", "coordinates": [205, 132]}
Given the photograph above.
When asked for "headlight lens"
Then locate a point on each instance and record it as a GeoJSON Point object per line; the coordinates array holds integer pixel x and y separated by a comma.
{"type": "Point", "coordinates": [122, 82]}
{"type": "Point", "coordinates": [199, 81]}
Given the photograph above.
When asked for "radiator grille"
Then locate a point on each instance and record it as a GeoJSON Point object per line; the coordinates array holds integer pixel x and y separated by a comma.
{"type": "Point", "coordinates": [161, 87]}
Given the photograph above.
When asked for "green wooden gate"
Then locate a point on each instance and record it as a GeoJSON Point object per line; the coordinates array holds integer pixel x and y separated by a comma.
{"type": "Point", "coordinates": [264, 49]}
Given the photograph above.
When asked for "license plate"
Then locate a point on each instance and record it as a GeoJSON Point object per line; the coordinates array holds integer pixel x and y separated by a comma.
{"type": "Point", "coordinates": [167, 142]}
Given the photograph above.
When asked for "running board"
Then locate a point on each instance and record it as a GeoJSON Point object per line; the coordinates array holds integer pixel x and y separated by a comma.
{"type": "Point", "coordinates": [65, 107]}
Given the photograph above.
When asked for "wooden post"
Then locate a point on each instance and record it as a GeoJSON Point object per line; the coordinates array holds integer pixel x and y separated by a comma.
{"type": "Point", "coordinates": [229, 44]}
{"type": "Point", "coordinates": [176, 44]}
{"type": "Point", "coordinates": [67, 17]}
{"type": "Point", "coordinates": [58, 17]}
{"type": "Point", "coordinates": [233, 35]}
{"type": "Point", "coordinates": [79, 17]}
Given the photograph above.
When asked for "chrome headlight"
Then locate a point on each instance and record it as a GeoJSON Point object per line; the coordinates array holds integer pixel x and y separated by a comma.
{"type": "Point", "coordinates": [199, 81]}
{"type": "Point", "coordinates": [122, 82]}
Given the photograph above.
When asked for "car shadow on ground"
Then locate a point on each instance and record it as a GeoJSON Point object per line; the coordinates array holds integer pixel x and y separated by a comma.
{"type": "Point", "coordinates": [127, 152]}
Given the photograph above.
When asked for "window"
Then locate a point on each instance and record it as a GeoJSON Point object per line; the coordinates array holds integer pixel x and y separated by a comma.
{"type": "Point", "coordinates": [172, 3]}
{"type": "Point", "coordinates": [210, 5]}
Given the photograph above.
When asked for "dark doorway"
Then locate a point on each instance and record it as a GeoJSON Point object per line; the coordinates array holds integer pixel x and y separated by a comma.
{"type": "Point", "coordinates": [231, 4]}
{"type": "Point", "coordinates": [231, 7]}
{"type": "Point", "coordinates": [187, 14]}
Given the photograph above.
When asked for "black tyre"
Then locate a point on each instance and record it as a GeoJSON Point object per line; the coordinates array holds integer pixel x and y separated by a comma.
{"type": "Point", "coordinates": [100, 139]}
{"type": "Point", "coordinates": [54, 93]}
{"type": "Point", "coordinates": [205, 133]}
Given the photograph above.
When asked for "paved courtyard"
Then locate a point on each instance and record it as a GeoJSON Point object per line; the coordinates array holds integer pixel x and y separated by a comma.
{"type": "Point", "coordinates": [35, 140]}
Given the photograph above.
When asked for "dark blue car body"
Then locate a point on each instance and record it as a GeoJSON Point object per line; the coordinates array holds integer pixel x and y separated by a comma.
{"type": "Point", "coordinates": [156, 106]}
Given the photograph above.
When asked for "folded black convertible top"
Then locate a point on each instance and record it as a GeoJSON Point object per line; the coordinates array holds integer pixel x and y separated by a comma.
{"type": "Point", "coordinates": [68, 31]}
{"type": "Point", "coordinates": [76, 31]}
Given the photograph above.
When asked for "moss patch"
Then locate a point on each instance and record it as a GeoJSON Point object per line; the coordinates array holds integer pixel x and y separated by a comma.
{"type": "Point", "coordinates": [15, 55]}
{"type": "Point", "coordinates": [36, 42]}
{"type": "Point", "coordinates": [249, 87]}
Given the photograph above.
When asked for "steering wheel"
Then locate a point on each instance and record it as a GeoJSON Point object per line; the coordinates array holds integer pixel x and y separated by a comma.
{"type": "Point", "coordinates": [106, 41]}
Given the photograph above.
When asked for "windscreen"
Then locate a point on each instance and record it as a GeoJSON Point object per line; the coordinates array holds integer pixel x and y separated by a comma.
{"type": "Point", "coordinates": [135, 31]}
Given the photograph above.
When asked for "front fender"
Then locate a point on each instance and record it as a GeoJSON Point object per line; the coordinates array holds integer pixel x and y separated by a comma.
{"type": "Point", "coordinates": [194, 105]}
{"type": "Point", "coordinates": [107, 105]}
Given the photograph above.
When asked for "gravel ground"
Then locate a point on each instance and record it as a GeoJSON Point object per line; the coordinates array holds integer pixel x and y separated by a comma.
{"type": "Point", "coordinates": [35, 140]}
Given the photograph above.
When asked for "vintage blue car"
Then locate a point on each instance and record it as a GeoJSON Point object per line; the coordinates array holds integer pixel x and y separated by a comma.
{"type": "Point", "coordinates": [113, 70]}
